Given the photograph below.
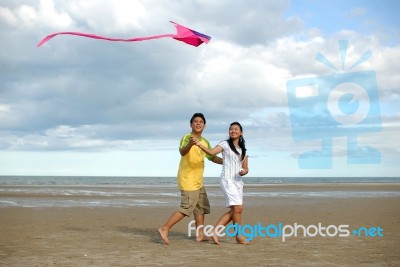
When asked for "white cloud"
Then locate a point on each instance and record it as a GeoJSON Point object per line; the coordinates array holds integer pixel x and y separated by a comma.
{"type": "Point", "coordinates": [79, 94]}
{"type": "Point", "coordinates": [8, 16]}
{"type": "Point", "coordinates": [111, 16]}
{"type": "Point", "coordinates": [27, 16]}
{"type": "Point", "coordinates": [4, 110]}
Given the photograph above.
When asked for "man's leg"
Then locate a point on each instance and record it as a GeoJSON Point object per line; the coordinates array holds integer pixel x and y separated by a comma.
{"type": "Point", "coordinates": [202, 208]}
{"type": "Point", "coordinates": [173, 219]}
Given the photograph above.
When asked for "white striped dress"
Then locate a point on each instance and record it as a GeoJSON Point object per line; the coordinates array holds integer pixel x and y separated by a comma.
{"type": "Point", "coordinates": [231, 182]}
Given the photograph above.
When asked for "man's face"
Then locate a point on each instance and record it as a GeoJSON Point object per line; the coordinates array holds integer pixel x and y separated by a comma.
{"type": "Point", "coordinates": [197, 125]}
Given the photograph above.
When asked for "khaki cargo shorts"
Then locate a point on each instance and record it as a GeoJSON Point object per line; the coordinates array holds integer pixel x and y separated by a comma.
{"type": "Point", "coordinates": [195, 202]}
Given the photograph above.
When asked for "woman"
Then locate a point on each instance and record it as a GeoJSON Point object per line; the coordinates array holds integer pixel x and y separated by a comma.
{"type": "Point", "coordinates": [235, 165]}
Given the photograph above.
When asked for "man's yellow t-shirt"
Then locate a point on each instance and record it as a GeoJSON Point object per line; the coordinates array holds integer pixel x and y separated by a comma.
{"type": "Point", "coordinates": [191, 166]}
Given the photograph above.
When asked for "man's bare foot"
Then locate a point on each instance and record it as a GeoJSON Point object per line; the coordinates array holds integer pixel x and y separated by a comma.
{"type": "Point", "coordinates": [242, 240]}
{"type": "Point", "coordinates": [164, 235]}
{"type": "Point", "coordinates": [202, 238]}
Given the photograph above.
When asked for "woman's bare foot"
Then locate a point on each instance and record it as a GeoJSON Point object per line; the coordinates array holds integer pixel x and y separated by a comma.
{"type": "Point", "coordinates": [164, 235]}
{"type": "Point", "coordinates": [215, 239]}
{"type": "Point", "coordinates": [202, 238]}
{"type": "Point", "coordinates": [242, 240]}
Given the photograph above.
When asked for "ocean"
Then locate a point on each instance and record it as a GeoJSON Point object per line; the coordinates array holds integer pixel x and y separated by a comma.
{"type": "Point", "coordinates": [171, 181]}
{"type": "Point", "coordinates": [96, 191]}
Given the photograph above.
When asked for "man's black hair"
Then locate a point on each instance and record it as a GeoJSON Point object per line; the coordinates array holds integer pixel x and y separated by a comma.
{"type": "Point", "coordinates": [198, 115]}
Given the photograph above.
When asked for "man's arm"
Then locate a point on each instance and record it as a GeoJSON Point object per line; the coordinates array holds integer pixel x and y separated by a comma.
{"type": "Point", "coordinates": [185, 149]}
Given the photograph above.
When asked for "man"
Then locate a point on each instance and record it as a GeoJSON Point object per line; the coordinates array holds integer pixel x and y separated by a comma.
{"type": "Point", "coordinates": [194, 198]}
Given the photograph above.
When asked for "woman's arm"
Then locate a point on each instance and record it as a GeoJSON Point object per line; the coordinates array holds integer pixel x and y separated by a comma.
{"type": "Point", "coordinates": [212, 152]}
{"type": "Point", "coordinates": [245, 166]}
{"type": "Point", "coordinates": [218, 160]}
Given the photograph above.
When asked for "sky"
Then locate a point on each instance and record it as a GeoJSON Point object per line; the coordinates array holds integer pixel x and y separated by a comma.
{"type": "Point", "coordinates": [79, 106]}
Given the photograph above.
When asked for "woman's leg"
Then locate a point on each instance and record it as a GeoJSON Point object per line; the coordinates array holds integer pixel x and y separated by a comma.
{"type": "Point", "coordinates": [237, 219]}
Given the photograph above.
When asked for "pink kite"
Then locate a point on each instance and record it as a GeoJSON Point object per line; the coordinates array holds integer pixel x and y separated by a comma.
{"type": "Point", "coordinates": [183, 34]}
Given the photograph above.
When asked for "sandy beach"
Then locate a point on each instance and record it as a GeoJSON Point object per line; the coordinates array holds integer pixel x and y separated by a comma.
{"type": "Point", "coordinates": [127, 236]}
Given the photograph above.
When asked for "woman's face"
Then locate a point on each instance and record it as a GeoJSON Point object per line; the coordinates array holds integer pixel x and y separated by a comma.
{"type": "Point", "coordinates": [234, 131]}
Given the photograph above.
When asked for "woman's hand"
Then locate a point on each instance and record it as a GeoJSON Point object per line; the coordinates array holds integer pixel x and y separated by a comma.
{"type": "Point", "coordinates": [243, 172]}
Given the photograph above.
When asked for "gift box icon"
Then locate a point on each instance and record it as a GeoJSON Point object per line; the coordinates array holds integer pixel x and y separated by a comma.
{"type": "Point", "coordinates": [337, 105]}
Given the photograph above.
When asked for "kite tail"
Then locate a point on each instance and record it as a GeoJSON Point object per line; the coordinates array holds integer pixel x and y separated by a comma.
{"type": "Point", "coordinates": [47, 38]}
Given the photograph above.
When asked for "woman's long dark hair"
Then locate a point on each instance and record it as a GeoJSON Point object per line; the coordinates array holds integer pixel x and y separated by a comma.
{"type": "Point", "coordinates": [242, 143]}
